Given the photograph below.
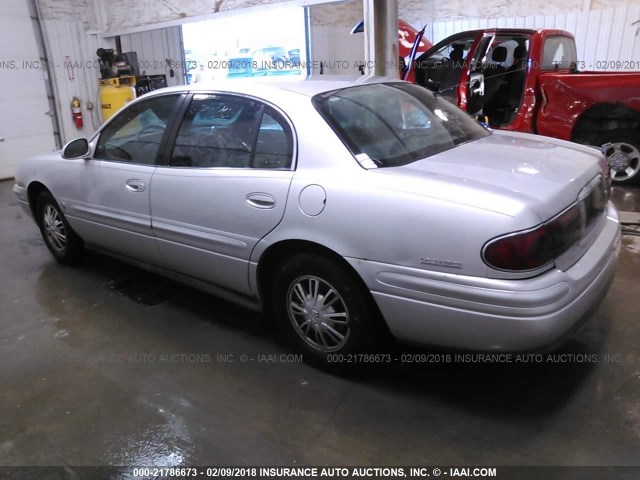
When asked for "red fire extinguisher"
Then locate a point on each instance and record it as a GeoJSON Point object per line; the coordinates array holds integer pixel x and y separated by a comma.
{"type": "Point", "coordinates": [76, 112]}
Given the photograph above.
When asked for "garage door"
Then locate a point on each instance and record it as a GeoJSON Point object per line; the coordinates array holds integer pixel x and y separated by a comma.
{"type": "Point", "coordinates": [25, 126]}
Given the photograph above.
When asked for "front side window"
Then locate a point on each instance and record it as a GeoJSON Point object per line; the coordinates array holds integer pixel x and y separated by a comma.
{"type": "Point", "coordinates": [134, 135]}
{"type": "Point", "coordinates": [224, 131]}
{"type": "Point", "coordinates": [392, 124]}
{"type": "Point", "coordinates": [440, 71]}
{"type": "Point", "coordinates": [457, 50]}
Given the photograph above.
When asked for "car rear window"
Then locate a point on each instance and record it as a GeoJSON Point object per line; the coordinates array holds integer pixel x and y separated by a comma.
{"type": "Point", "coordinates": [559, 53]}
{"type": "Point", "coordinates": [392, 124]}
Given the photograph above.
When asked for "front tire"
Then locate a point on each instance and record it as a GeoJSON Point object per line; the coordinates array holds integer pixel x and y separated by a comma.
{"type": "Point", "coordinates": [324, 310]}
{"type": "Point", "coordinates": [63, 243]}
{"type": "Point", "coordinates": [623, 154]}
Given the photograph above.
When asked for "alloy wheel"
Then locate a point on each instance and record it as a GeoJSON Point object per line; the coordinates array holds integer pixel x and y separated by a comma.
{"type": "Point", "coordinates": [318, 313]}
{"type": "Point", "coordinates": [54, 229]}
{"type": "Point", "coordinates": [624, 160]}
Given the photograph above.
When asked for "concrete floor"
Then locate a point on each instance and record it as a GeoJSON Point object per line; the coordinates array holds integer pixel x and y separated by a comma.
{"type": "Point", "coordinates": [90, 376]}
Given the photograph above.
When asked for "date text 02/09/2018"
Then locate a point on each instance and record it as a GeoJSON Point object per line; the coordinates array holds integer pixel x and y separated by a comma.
{"type": "Point", "coordinates": [314, 472]}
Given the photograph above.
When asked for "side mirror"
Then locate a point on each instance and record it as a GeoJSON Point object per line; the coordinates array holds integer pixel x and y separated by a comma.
{"type": "Point", "coordinates": [76, 149]}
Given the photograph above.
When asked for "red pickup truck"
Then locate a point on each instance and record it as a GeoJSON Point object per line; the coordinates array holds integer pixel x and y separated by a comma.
{"type": "Point", "coordinates": [528, 81]}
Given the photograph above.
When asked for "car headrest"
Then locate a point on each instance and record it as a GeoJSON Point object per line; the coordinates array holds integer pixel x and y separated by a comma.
{"type": "Point", "coordinates": [457, 52]}
{"type": "Point", "coordinates": [519, 52]}
{"type": "Point", "coordinates": [499, 54]}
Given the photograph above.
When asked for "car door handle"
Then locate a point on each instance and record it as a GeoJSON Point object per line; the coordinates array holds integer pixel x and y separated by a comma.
{"type": "Point", "coordinates": [1, 139]}
{"type": "Point", "coordinates": [261, 200]}
{"type": "Point", "coordinates": [135, 185]}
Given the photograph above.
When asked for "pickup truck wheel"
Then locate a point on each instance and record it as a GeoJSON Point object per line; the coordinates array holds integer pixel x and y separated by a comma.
{"type": "Point", "coordinates": [324, 311]}
{"type": "Point", "coordinates": [63, 243]}
{"type": "Point", "coordinates": [622, 148]}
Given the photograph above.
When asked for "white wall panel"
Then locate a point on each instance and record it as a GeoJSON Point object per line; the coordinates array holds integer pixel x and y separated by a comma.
{"type": "Point", "coordinates": [606, 35]}
{"type": "Point", "coordinates": [339, 51]}
{"type": "Point", "coordinates": [25, 126]}
{"type": "Point", "coordinates": [331, 40]}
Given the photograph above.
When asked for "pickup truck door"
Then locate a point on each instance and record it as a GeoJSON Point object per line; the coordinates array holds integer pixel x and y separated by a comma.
{"type": "Point", "coordinates": [503, 63]}
{"type": "Point", "coordinates": [454, 69]}
{"type": "Point", "coordinates": [558, 109]}
{"type": "Point", "coordinates": [475, 82]}
{"type": "Point", "coordinates": [444, 67]}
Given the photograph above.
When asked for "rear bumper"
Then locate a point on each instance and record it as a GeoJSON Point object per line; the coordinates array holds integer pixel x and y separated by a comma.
{"type": "Point", "coordinates": [484, 314]}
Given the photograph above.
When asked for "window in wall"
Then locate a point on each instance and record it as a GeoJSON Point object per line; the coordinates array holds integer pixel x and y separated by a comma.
{"type": "Point", "coordinates": [269, 43]}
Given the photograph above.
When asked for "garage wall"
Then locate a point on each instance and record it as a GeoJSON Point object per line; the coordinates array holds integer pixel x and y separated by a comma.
{"type": "Point", "coordinates": [72, 37]}
{"type": "Point", "coordinates": [419, 12]}
{"type": "Point", "coordinates": [331, 43]}
{"type": "Point", "coordinates": [118, 17]}
{"type": "Point", "coordinates": [75, 71]}
{"type": "Point", "coordinates": [154, 48]}
{"type": "Point", "coordinates": [131, 14]}
{"type": "Point", "coordinates": [71, 52]}
{"type": "Point", "coordinates": [87, 12]}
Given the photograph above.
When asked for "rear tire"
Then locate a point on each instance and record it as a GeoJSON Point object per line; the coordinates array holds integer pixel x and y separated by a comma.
{"type": "Point", "coordinates": [623, 155]}
{"type": "Point", "coordinates": [325, 311]}
{"type": "Point", "coordinates": [63, 243]}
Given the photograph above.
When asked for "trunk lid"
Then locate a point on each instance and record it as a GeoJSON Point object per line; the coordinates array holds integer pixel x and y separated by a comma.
{"type": "Point", "coordinates": [544, 173]}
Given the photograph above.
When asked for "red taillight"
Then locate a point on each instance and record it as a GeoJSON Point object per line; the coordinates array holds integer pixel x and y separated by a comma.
{"type": "Point", "coordinates": [536, 248]}
{"type": "Point", "coordinates": [528, 250]}
{"type": "Point", "coordinates": [567, 228]}
{"type": "Point", "coordinates": [540, 246]}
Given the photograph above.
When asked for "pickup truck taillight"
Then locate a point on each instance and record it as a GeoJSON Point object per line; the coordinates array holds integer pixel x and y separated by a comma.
{"type": "Point", "coordinates": [540, 246]}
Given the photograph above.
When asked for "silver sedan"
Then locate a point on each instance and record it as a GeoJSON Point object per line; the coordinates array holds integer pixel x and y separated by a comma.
{"type": "Point", "coordinates": [347, 209]}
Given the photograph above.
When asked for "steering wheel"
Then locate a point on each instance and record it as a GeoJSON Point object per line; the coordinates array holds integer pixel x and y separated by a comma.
{"type": "Point", "coordinates": [114, 152]}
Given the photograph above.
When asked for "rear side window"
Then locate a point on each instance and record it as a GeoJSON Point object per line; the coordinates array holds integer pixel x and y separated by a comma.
{"type": "Point", "coordinates": [274, 146]}
{"type": "Point", "coordinates": [224, 131]}
{"type": "Point", "coordinates": [559, 53]}
{"type": "Point", "coordinates": [392, 124]}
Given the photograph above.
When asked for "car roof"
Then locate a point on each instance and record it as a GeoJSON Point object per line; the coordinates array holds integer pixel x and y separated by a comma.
{"type": "Point", "coordinates": [510, 31]}
{"type": "Point", "coordinates": [268, 87]}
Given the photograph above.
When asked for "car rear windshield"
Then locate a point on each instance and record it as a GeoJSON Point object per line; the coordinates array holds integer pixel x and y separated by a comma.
{"type": "Point", "coordinates": [392, 124]}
